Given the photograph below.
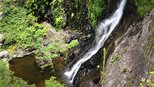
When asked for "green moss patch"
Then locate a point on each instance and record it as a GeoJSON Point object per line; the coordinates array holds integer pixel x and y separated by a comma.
{"type": "Point", "coordinates": [144, 6]}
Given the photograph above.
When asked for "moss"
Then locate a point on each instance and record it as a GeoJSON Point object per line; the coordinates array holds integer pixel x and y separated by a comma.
{"type": "Point", "coordinates": [147, 82]}
{"type": "Point", "coordinates": [144, 6]}
{"type": "Point", "coordinates": [73, 43]}
{"type": "Point", "coordinates": [104, 58]}
{"type": "Point", "coordinates": [151, 73]}
{"type": "Point", "coordinates": [63, 50]}
{"type": "Point", "coordinates": [53, 47]}
{"type": "Point", "coordinates": [54, 55]}
{"type": "Point", "coordinates": [53, 83]}
{"type": "Point", "coordinates": [149, 47]}
{"type": "Point", "coordinates": [115, 58]}
{"type": "Point", "coordinates": [124, 70]}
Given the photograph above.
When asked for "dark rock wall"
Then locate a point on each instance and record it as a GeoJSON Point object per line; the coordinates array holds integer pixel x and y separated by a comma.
{"type": "Point", "coordinates": [128, 63]}
{"type": "Point", "coordinates": [85, 74]}
{"type": "Point", "coordinates": [76, 14]}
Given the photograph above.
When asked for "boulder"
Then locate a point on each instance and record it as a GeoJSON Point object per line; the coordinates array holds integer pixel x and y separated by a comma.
{"type": "Point", "coordinates": [1, 39]}
{"type": "Point", "coordinates": [3, 54]}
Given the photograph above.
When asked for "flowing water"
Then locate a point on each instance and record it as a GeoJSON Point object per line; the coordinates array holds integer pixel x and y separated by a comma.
{"type": "Point", "coordinates": [104, 30]}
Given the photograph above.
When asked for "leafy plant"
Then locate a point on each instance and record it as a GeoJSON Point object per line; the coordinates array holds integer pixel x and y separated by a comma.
{"type": "Point", "coordinates": [144, 6]}
{"type": "Point", "coordinates": [103, 72]}
{"type": "Point", "coordinates": [21, 28]}
{"type": "Point", "coordinates": [147, 82]}
{"type": "Point", "coordinates": [58, 13]}
{"type": "Point", "coordinates": [53, 83]}
{"type": "Point", "coordinates": [95, 10]}
{"type": "Point", "coordinates": [51, 11]}
{"type": "Point", "coordinates": [117, 57]}
{"type": "Point", "coordinates": [73, 43]}
{"type": "Point", "coordinates": [104, 58]}
{"type": "Point", "coordinates": [63, 50]}
{"type": "Point", "coordinates": [53, 47]}
{"type": "Point", "coordinates": [46, 10]}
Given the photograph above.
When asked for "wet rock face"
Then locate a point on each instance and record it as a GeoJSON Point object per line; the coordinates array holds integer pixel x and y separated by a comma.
{"type": "Point", "coordinates": [88, 78]}
{"type": "Point", "coordinates": [132, 56]}
{"type": "Point", "coordinates": [76, 14]}
{"type": "Point", "coordinates": [85, 74]}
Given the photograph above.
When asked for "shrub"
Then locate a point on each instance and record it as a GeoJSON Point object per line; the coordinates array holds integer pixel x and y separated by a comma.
{"type": "Point", "coordinates": [95, 10]}
{"type": "Point", "coordinates": [51, 11]}
{"type": "Point", "coordinates": [144, 6]}
{"type": "Point", "coordinates": [58, 13]}
{"type": "Point", "coordinates": [47, 10]}
{"type": "Point", "coordinates": [73, 43]}
{"type": "Point", "coordinates": [53, 83]}
{"type": "Point", "coordinates": [20, 28]}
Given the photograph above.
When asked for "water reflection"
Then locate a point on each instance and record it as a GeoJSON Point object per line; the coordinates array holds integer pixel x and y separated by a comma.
{"type": "Point", "coordinates": [27, 69]}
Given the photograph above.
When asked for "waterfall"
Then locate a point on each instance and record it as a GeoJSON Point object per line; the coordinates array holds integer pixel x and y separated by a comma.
{"type": "Point", "coordinates": [103, 31]}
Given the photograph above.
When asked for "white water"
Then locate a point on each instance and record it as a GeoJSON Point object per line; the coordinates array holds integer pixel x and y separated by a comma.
{"type": "Point", "coordinates": [103, 32]}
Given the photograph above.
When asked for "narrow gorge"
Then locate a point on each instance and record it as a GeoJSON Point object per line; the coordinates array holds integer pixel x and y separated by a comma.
{"type": "Point", "coordinates": [77, 43]}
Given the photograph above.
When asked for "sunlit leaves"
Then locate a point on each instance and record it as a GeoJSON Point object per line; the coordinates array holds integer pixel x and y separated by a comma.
{"type": "Point", "coordinates": [95, 10]}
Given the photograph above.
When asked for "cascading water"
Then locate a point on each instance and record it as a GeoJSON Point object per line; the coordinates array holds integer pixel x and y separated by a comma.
{"type": "Point", "coordinates": [103, 32]}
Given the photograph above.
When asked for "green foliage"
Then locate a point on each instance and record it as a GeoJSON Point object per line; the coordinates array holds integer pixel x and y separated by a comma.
{"type": "Point", "coordinates": [103, 72]}
{"type": "Point", "coordinates": [53, 47]}
{"type": "Point", "coordinates": [151, 72]}
{"type": "Point", "coordinates": [53, 50]}
{"type": "Point", "coordinates": [21, 28]}
{"type": "Point", "coordinates": [54, 55]}
{"type": "Point", "coordinates": [39, 8]}
{"type": "Point", "coordinates": [147, 82]}
{"type": "Point", "coordinates": [44, 10]}
{"type": "Point", "coordinates": [58, 13]}
{"type": "Point", "coordinates": [8, 80]}
{"type": "Point", "coordinates": [50, 51]}
{"type": "Point", "coordinates": [63, 50]}
{"type": "Point", "coordinates": [115, 58]}
{"type": "Point", "coordinates": [53, 83]}
{"type": "Point", "coordinates": [144, 6]}
{"type": "Point", "coordinates": [47, 10]}
{"type": "Point", "coordinates": [149, 47]}
{"type": "Point", "coordinates": [73, 43]}
{"type": "Point", "coordinates": [95, 10]}
{"type": "Point", "coordinates": [104, 58]}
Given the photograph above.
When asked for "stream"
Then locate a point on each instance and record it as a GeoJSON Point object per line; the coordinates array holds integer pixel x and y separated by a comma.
{"type": "Point", "coordinates": [27, 69]}
{"type": "Point", "coordinates": [103, 31]}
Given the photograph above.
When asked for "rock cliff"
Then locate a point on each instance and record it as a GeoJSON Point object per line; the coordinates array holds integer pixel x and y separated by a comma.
{"type": "Point", "coordinates": [132, 59]}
